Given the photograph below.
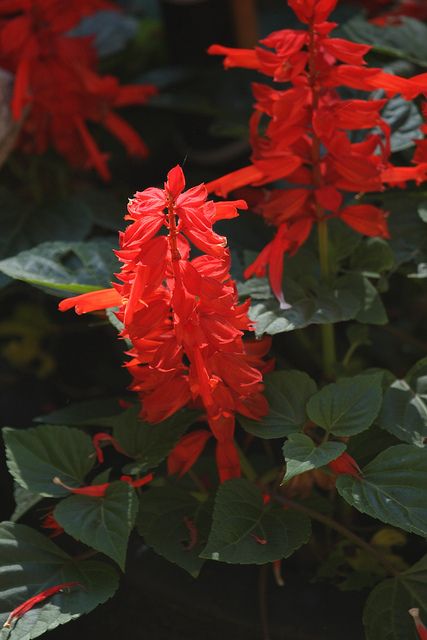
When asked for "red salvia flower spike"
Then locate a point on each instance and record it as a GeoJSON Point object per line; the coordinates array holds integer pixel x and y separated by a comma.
{"type": "Point", "coordinates": [183, 318]}
{"type": "Point", "coordinates": [31, 602]}
{"type": "Point", "coordinates": [104, 437]}
{"type": "Point", "coordinates": [420, 627]}
{"type": "Point", "coordinates": [346, 465]}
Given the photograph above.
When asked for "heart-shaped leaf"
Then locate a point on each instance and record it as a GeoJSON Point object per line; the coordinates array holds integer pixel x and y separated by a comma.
{"type": "Point", "coordinates": [301, 454]}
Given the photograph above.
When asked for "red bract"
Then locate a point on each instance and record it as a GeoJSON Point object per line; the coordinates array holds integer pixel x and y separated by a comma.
{"type": "Point", "coordinates": [49, 522]}
{"type": "Point", "coordinates": [31, 602]}
{"type": "Point", "coordinates": [420, 627]}
{"type": "Point", "coordinates": [104, 437]}
{"type": "Point", "coordinates": [307, 140]}
{"type": "Point", "coordinates": [345, 465]}
{"type": "Point", "coordinates": [182, 315]}
{"type": "Point", "coordinates": [99, 490]}
{"type": "Point", "coordinates": [186, 453]}
{"type": "Point", "coordinates": [57, 89]}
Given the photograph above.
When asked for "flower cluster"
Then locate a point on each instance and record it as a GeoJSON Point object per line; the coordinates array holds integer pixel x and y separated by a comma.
{"type": "Point", "coordinates": [304, 134]}
{"type": "Point", "coordinates": [182, 316]}
{"type": "Point", "coordinates": [57, 88]}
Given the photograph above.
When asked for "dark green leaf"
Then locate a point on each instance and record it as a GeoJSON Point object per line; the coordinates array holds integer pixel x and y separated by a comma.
{"type": "Point", "coordinates": [348, 406]}
{"type": "Point", "coordinates": [373, 257]}
{"type": "Point", "coordinates": [24, 501]}
{"type": "Point", "coordinates": [393, 488]}
{"type": "Point", "coordinates": [35, 456]}
{"type": "Point", "coordinates": [245, 531]}
{"type": "Point", "coordinates": [27, 225]}
{"type": "Point", "coordinates": [149, 444]}
{"type": "Point", "coordinates": [165, 517]}
{"type": "Point", "coordinates": [89, 412]}
{"type": "Point", "coordinates": [287, 393]}
{"type": "Point", "coordinates": [301, 454]}
{"type": "Point", "coordinates": [58, 267]}
{"type": "Point", "coordinates": [386, 612]}
{"type": "Point", "coordinates": [30, 562]}
{"type": "Point", "coordinates": [102, 523]}
{"type": "Point", "coordinates": [404, 411]}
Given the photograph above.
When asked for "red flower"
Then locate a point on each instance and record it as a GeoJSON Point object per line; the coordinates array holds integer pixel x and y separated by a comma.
{"type": "Point", "coordinates": [31, 602]}
{"type": "Point", "coordinates": [57, 89]}
{"type": "Point", "coordinates": [183, 318]}
{"type": "Point", "coordinates": [346, 465]}
{"type": "Point", "coordinates": [186, 453]}
{"type": "Point", "coordinates": [49, 522]}
{"type": "Point", "coordinates": [99, 490]}
{"type": "Point", "coordinates": [104, 437]}
{"type": "Point", "coordinates": [420, 627]}
{"type": "Point", "coordinates": [307, 139]}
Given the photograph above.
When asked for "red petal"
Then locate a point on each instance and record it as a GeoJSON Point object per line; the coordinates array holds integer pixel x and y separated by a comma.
{"type": "Point", "coordinates": [92, 301]}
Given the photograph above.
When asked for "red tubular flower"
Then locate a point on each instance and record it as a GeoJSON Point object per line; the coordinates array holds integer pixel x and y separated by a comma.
{"type": "Point", "coordinates": [57, 88]}
{"type": "Point", "coordinates": [307, 140]}
{"type": "Point", "coordinates": [186, 453]}
{"type": "Point", "coordinates": [346, 465]}
{"type": "Point", "coordinates": [49, 522]}
{"type": "Point", "coordinates": [99, 490]}
{"type": "Point", "coordinates": [183, 318]}
{"type": "Point", "coordinates": [104, 437]}
{"type": "Point", "coordinates": [31, 602]}
{"type": "Point", "coordinates": [420, 627]}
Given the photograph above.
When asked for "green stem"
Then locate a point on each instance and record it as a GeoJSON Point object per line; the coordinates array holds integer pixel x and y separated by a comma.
{"type": "Point", "coordinates": [247, 469]}
{"type": "Point", "coordinates": [328, 335]}
{"type": "Point", "coordinates": [332, 524]}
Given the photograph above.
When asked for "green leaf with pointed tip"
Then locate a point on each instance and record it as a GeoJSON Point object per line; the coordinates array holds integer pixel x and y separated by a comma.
{"type": "Point", "coordinates": [404, 410]}
{"type": "Point", "coordinates": [148, 443]}
{"type": "Point", "coordinates": [301, 454]}
{"type": "Point", "coordinates": [30, 562]}
{"type": "Point", "coordinates": [165, 515]}
{"type": "Point", "coordinates": [102, 523]}
{"type": "Point", "coordinates": [24, 501]}
{"type": "Point", "coordinates": [287, 393]}
{"type": "Point", "coordinates": [393, 488]}
{"type": "Point", "coordinates": [348, 406]}
{"type": "Point", "coordinates": [245, 531]}
{"type": "Point", "coordinates": [35, 456]}
{"type": "Point", "coordinates": [385, 616]}
{"type": "Point", "coordinates": [373, 257]}
{"type": "Point", "coordinates": [58, 267]}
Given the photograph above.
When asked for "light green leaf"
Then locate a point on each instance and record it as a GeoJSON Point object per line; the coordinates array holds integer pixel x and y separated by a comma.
{"type": "Point", "coordinates": [393, 488]}
{"type": "Point", "coordinates": [35, 456]}
{"type": "Point", "coordinates": [30, 563]}
{"type": "Point", "coordinates": [386, 611]}
{"type": "Point", "coordinates": [58, 267]}
{"type": "Point", "coordinates": [165, 517]}
{"type": "Point", "coordinates": [24, 501]}
{"type": "Point", "coordinates": [103, 523]}
{"type": "Point", "coordinates": [148, 443]}
{"type": "Point", "coordinates": [245, 531]}
{"type": "Point", "coordinates": [301, 454]}
{"type": "Point", "coordinates": [287, 393]}
{"type": "Point", "coordinates": [404, 410]}
{"type": "Point", "coordinates": [348, 406]}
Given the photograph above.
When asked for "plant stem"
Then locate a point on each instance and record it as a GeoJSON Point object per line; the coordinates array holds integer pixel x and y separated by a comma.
{"type": "Point", "coordinates": [332, 524]}
{"type": "Point", "coordinates": [248, 470]}
{"type": "Point", "coordinates": [328, 335]}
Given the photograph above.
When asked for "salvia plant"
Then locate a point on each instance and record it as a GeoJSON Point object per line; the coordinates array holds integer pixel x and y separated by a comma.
{"type": "Point", "coordinates": [218, 451]}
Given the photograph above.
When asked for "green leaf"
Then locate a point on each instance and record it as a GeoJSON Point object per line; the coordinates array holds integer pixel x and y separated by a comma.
{"type": "Point", "coordinates": [287, 393]}
{"type": "Point", "coordinates": [301, 454]}
{"type": "Point", "coordinates": [24, 501]}
{"type": "Point", "coordinates": [149, 444]}
{"type": "Point", "coordinates": [102, 523]}
{"type": "Point", "coordinates": [386, 611]}
{"type": "Point", "coordinates": [245, 531]}
{"type": "Point", "coordinates": [404, 410]}
{"type": "Point", "coordinates": [89, 412]}
{"type": "Point", "coordinates": [163, 513]}
{"type": "Point", "coordinates": [58, 267]}
{"type": "Point", "coordinates": [27, 225]}
{"type": "Point", "coordinates": [393, 488]}
{"type": "Point", "coordinates": [371, 309]}
{"type": "Point", "coordinates": [348, 406]}
{"type": "Point", "coordinates": [407, 40]}
{"type": "Point", "coordinates": [373, 257]}
{"type": "Point", "coordinates": [30, 563]}
{"type": "Point", "coordinates": [35, 456]}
